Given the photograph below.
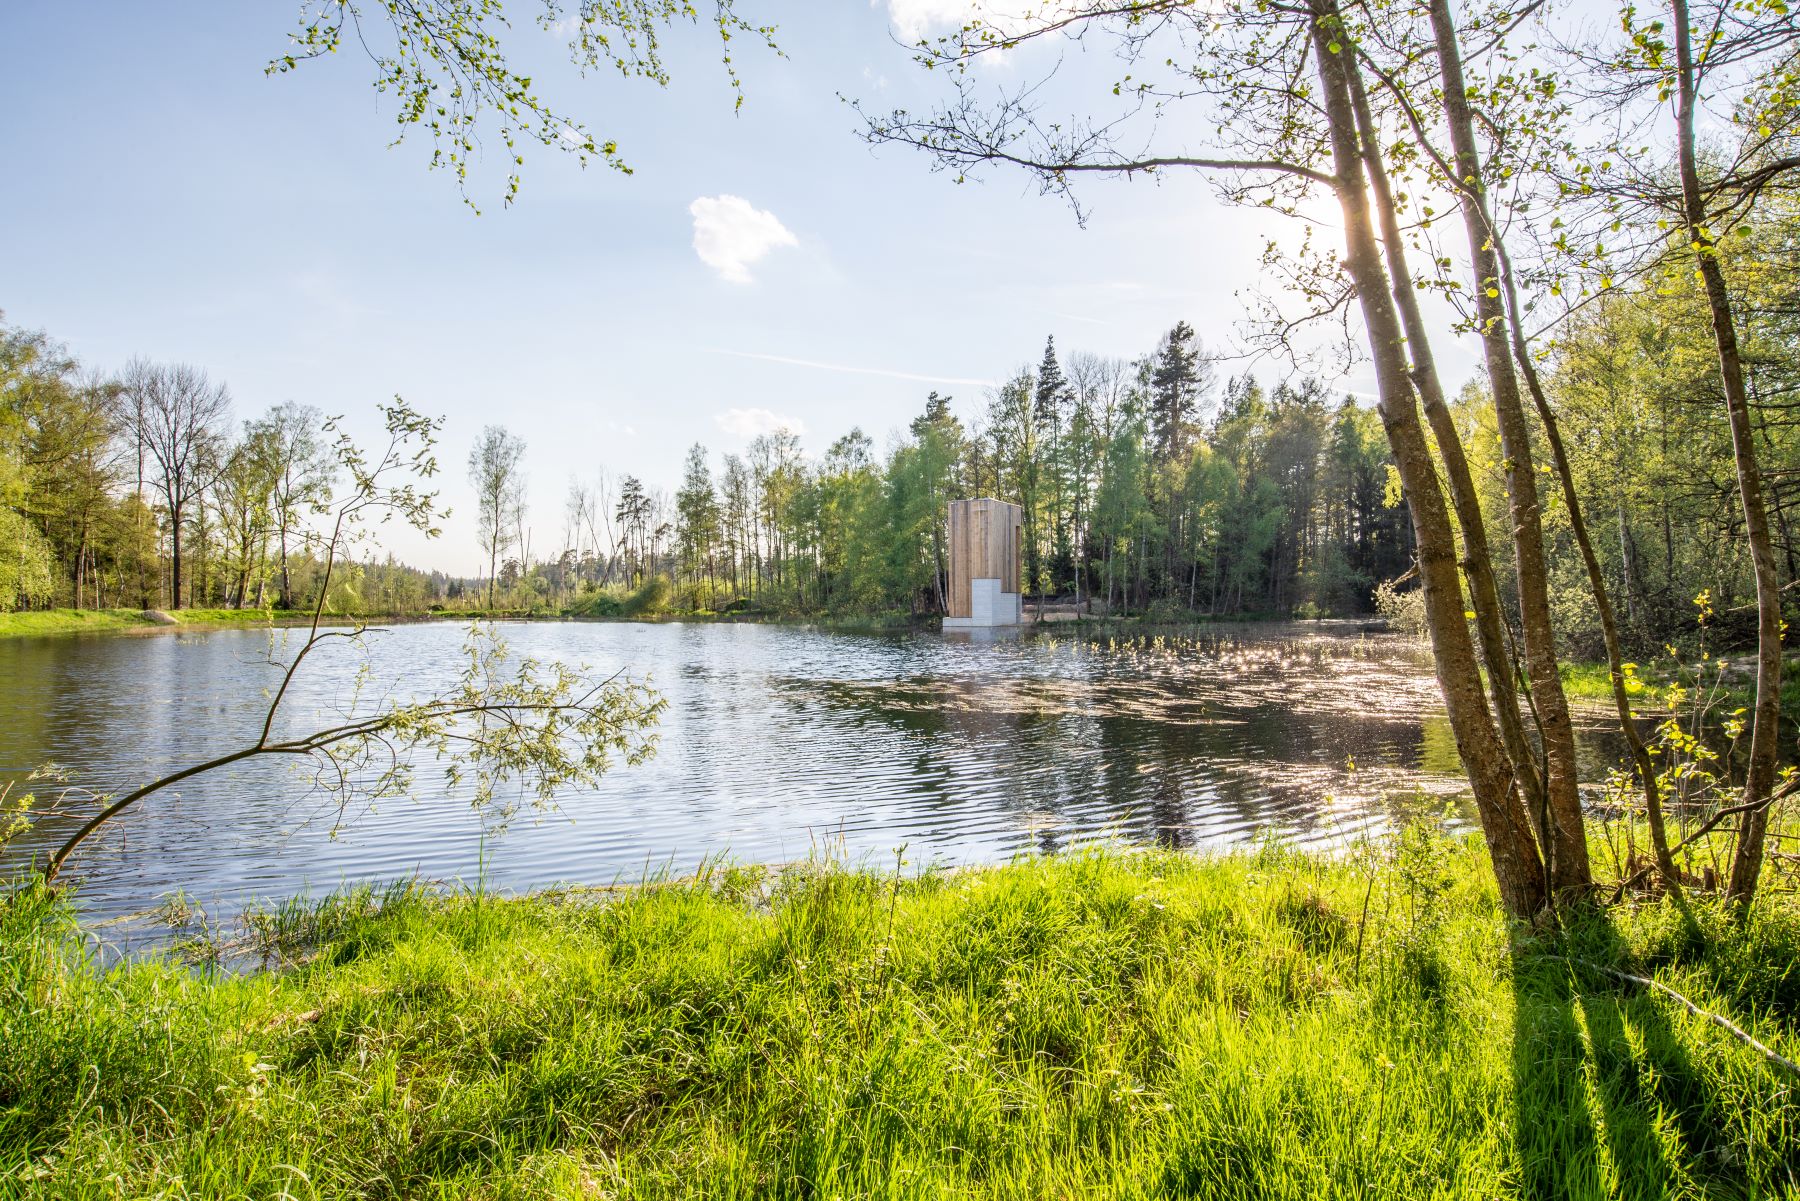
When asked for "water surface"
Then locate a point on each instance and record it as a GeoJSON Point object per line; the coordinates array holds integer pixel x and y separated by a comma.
{"type": "Point", "coordinates": [777, 742]}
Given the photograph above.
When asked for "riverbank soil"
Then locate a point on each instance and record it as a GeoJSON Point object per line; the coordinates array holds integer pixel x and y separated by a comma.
{"type": "Point", "coordinates": [1109, 1025]}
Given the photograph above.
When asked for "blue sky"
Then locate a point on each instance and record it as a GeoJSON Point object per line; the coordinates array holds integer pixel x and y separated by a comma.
{"type": "Point", "coordinates": [164, 197]}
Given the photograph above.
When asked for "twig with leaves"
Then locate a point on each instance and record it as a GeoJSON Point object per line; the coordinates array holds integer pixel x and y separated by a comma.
{"type": "Point", "coordinates": [543, 726]}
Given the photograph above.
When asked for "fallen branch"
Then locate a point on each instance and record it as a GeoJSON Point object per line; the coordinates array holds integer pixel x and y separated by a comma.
{"type": "Point", "coordinates": [1724, 1024]}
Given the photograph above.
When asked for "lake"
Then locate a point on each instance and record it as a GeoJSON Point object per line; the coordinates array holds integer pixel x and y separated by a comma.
{"type": "Point", "coordinates": [778, 742]}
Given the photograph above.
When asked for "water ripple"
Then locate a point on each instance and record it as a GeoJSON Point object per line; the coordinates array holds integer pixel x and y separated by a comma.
{"type": "Point", "coordinates": [778, 742]}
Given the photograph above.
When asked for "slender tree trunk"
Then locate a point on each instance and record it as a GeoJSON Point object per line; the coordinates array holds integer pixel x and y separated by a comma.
{"type": "Point", "coordinates": [174, 557]}
{"type": "Point", "coordinates": [1505, 824]}
{"type": "Point", "coordinates": [1567, 850]}
{"type": "Point", "coordinates": [1627, 567]}
{"type": "Point", "coordinates": [81, 565]}
{"type": "Point", "coordinates": [1477, 559]}
{"type": "Point", "coordinates": [287, 583]}
{"type": "Point", "coordinates": [1603, 606]}
{"type": "Point", "coordinates": [1746, 867]}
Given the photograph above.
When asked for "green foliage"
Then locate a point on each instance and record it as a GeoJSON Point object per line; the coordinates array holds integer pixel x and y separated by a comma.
{"type": "Point", "coordinates": [65, 532]}
{"type": "Point", "coordinates": [1636, 386]}
{"type": "Point", "coordinates": [1148, 1025]}
{"type": "Point", "coordinates": [1269, 507]}
{"type": "Point", "coordinates": [650, 598]}
{"type": "Point", "coordinates": [448, 66]}
{"type": "Point", "coordinates": [1404, 608]}
{"type": "Point", "coordinates": [1274, 506]}
{"type": "Point", "coordinates": [24, 562]}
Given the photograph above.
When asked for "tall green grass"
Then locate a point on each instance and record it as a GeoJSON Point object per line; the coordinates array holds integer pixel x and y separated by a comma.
{"type": "Point", "coordinates": [1592, 683]}
{"type": "Point", "coordinates": [1108, 1025]}
{"type": "Point", "coordinates": [38, 622]}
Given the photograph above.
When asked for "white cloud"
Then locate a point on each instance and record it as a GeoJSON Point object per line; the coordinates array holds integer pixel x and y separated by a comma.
{"type": "Point", "coordinates": [730, 234]}
{"type": "Point", "coordinates": [915, 19]}
{"type": "Point", "coordinates": [748, 423]}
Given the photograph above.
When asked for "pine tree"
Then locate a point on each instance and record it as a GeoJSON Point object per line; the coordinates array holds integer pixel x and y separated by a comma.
{"type": "Point", "coordinates": [937, 412]}
{"type": "Point", "coordinates": [1050, 408]}
{"type": "Point", "coordinates": [1176, 381]}
{"type": "Point", "coordinates": [696, 516]}
{"type": "Point", "coordinates": [633, 515]}
{"type": "Point", "coordinates": [1052, 389]}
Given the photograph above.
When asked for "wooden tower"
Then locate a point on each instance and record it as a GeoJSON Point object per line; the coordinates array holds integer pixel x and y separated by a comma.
{"type": "Point", "coordinates": [987, 538]}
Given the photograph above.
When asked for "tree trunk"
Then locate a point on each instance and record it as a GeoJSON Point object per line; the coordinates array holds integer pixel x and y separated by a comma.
{"type": "Point", "coordinates": [174, 558]}
{"type": "Point", "coordinates": [287, 583]}
{"type": "Point", "coordinates": [1609, 626]}
{"type": "Point", "coordinates": [81, 565]}
{"type": "Point", "coordinates": [1505, 824]}
{"type": "Point", "coordinates": [1746, 866]}
{"type": "Point", "coordinates": [1566, 849]}
{"type": "Point", "coordinates": [1627, 567]}
{"type": "Point", "coordinates": [1477, 561]}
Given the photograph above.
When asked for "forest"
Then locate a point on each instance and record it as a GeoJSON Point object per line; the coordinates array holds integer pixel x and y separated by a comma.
{"type": "Point", "coordinates": [1161, 485]}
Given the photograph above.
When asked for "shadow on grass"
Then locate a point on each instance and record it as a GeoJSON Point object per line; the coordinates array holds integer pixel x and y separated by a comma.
{"type": "Point", "coordinates": [1609, 1101]}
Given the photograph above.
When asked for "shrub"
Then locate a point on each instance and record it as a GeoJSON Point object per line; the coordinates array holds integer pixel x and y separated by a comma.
{"type": "Point", "coordinates": [1404, 609]}
{"type": "Point", "coordinates": [651, 598]}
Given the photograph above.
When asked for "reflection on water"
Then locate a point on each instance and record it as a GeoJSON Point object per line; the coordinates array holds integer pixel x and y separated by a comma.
{"type": "Point", "coordinates": [776, 741]}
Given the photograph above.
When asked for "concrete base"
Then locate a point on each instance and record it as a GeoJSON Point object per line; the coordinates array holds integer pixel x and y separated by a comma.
{"type": "Point", "coordinates": [988, 607]}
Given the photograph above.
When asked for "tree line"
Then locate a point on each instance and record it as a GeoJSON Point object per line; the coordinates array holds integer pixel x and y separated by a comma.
{"type": "Point", "coordinates": [1149, 486]}
{"type": "Point", "coordinates": [1144, 489]}
{"type": "Point", "coordinates": [138, 490]}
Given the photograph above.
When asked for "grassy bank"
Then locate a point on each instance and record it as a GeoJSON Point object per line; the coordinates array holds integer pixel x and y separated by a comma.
{"type": "Point", "coordinates": [1106, 1026]}
{"type": "Point", "coordinates": [609, 608]}
{"type": "Point", "coordinates": [80, 621]}
{"type": "Point", "coordinates": [71, 621]}
{"type": "Point", "coordinates": [1591, 684]}
{"type": "Point", "coordinates": [77, 621]}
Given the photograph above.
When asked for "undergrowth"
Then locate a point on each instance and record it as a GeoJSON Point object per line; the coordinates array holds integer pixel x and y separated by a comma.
{"type": "Point", "coordinates": [1105, 1025]}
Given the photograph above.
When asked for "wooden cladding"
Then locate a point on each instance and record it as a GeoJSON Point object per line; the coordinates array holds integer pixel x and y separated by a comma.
{"type": "Point", "coordinates": [986, 538]}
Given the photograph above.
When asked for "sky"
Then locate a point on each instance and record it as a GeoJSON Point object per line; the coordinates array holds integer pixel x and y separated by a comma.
{"type": "Point", "coordinates": [164, 197]}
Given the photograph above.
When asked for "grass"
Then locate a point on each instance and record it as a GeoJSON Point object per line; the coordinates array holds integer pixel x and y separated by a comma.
{"type": "Point", "coordinates": [1107, 1025]}
{"type": "Point", "coordinates": [70, 621]}
{"type": "Point", "coordinates": [41, 622]}
{"type": "Point", "coordinates": [1591, 684]}
{"type": "Point", "coordinates": [76, 621]}
{"type": "Point", "coordinates": [240, 617]}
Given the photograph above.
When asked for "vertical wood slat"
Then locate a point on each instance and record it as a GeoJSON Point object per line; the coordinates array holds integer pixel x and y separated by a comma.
{"type": "Point", "coordinates": [984, 537]}
{"type": "Point", "coordinates": [959, 558]}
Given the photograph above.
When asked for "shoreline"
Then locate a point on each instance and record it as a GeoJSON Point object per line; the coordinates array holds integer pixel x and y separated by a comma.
{"type": "Point", "coordinates": [48, 623]}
